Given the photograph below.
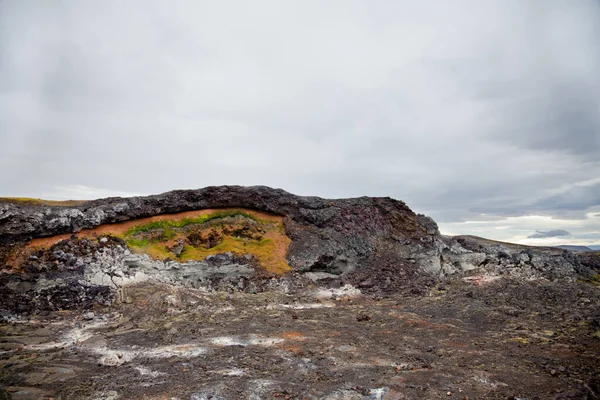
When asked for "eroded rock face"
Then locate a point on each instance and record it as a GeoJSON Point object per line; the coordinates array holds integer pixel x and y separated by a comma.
{"type": "Point", "coordinates": [81, 272]}
{"type": "Point", "coordinates": [327, 235]}
{"type": "Point", "coordinates": [377, 245]}
{"type": "Point", "coordinates": [464, 254]}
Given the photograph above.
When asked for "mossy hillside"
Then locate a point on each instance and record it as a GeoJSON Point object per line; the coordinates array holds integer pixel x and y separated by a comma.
{"type": "Point", "coordinates": [158, 238]}
{"type": "Point", "coordinates": [201, 219]}
{"type": "Point", "coordinates": [29, 201]}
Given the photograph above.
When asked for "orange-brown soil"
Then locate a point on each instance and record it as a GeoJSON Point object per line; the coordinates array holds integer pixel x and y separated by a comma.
{"type": "Point", "coordinates": [271, 251]}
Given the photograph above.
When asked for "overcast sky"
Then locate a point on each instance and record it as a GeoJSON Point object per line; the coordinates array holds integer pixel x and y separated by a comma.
{"type": "Point", "coordinates": [483, 114]}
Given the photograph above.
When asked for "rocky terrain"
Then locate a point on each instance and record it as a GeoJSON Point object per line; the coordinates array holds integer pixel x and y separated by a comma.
{"type": "Point", "coordinates": [251, 292]}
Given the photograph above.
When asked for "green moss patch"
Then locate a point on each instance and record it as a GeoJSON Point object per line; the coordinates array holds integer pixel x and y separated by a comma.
{"type": "Point", "coordinates": [195, 238]}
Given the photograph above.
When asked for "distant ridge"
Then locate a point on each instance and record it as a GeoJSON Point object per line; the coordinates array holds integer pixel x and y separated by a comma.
{"type": "Point", "coordinates": [575, 248]}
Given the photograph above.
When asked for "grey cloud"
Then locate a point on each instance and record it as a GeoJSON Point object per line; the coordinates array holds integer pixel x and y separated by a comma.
{"type": "Point", "coordinates": [563, 118]}
{"type": "Point", "coordinates": [577, 198]}
{"type": "Point", "coordinates": [478, 111]}
{"type": "Point", "coordinates": [549, 234]}
{"type": "Point", "coordinates": [592, 236]}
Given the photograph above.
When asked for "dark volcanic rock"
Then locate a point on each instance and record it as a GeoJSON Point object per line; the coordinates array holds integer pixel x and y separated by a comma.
{"type": "Point", "coordinates": [471, 253]}
{"type": "Point", "coordinates": [376, 244]}
{"type": "Point", "coordinates": [590, 259]}
{"type": "Point", "coordinates": [4, 395]}
{"type": "Point", "coordinates": [24, 296]}
{"type": "Point", "coordinates": [337, 236]}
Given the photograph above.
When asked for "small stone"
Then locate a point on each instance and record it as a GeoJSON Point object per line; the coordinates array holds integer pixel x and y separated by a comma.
{"type": "Point", "coordinates": [363, 317]}
{"type": "Point", "coordinates": [178, 249]}
{"type": "Point", "coordinates": [553, 372]}
{"type": "Point", "coordinates": [88, 315]}
{"type": "Point", "coordinates": [449, 394]}
{"type": "Point", "coordinates": [103, 240]}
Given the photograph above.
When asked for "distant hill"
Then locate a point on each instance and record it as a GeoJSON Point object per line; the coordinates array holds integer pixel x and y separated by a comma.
{"type": "Point", "coordinates": [595, 247]}
{"type": "Point", "coordinates": [577, 248]}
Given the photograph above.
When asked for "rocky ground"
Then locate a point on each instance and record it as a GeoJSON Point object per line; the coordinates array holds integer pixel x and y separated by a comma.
{"type": "Point", "coordinates": [287, 297]}
{"type": "Point", "coordinates": [502, 340]}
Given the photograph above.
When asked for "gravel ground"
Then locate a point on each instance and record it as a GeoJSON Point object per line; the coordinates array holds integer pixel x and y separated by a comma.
{"type": "Point", "coordinates": [461, 340]}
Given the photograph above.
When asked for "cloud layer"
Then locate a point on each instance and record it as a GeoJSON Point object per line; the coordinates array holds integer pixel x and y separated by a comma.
{"type": "Point", "coordinates": [474, 112]}
{"type": "Point", "coordinates": [549, 234]}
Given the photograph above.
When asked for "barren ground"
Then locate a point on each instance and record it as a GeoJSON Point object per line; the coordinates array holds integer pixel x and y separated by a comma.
{"type": "Point", "coordinates": [500, 340]}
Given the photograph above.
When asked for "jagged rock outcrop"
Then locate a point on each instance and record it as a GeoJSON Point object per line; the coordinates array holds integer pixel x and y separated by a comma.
{"type": "Point", "coordinates": [376, 244]}
{"type": "Point", "coordinates": [78, 273]}
{"type": "Point", "coordinates": [463, 254]}
{"type": "Point", "coordinates": [337, 236]}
